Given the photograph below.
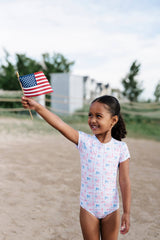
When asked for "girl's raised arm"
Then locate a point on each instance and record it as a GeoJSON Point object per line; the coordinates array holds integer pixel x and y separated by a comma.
{"type": "Point", "coordinates": [52, 119]}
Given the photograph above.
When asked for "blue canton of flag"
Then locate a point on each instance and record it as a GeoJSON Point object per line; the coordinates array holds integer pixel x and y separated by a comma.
{"type": "Point", "coordinates": [28, 80]}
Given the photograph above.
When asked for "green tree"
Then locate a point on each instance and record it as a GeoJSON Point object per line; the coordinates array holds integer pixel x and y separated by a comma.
{"type": "Point", "coordinates": [25, 65]}
{"type": "Point", "coordinates": [8, 79]}
{"type": "Point", "coordinates": [56, 64]}
{"type": "Point", "coordinates": [157, 92]}
{"type": "Point", "coordinates": [132, 88]}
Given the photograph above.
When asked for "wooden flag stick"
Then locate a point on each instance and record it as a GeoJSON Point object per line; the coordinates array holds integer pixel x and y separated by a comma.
{"type": "Point", "coordinates": [23, 93]}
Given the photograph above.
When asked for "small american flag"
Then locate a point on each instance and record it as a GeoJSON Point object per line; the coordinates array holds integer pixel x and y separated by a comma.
{"type": "Point", "coordinates": [35, 84]}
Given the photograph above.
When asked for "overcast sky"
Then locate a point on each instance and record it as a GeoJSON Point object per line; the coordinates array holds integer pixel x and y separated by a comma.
{"type": "Point", "coordinates": [103, 37]}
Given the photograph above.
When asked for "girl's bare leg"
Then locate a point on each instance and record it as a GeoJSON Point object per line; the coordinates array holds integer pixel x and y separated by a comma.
{"type": "Point", "coordinates": [90, 225]}
{"type": "Point", "coordinates": [110, 226]}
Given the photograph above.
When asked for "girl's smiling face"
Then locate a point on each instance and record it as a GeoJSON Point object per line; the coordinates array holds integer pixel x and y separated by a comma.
{"type": "Point", "coordinates": [101, 120]}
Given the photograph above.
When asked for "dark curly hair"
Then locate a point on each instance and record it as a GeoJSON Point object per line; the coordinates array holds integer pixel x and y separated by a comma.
{"type": "Point", "coordinates": [119, 129]}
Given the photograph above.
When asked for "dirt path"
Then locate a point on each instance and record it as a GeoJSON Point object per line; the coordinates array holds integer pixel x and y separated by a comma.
{"type": "Point", "coordinates": [40, 182]}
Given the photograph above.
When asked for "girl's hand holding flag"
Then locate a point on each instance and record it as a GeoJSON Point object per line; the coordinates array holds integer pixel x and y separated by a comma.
{"type": "Point", "coordinates": [29, 103]}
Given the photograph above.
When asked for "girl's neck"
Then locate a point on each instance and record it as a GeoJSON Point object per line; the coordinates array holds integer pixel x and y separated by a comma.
{"type": "Point", "coordinates": [104, 138]}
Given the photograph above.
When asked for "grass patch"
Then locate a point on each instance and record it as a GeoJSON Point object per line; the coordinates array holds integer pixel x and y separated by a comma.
{"type": "Point", "coordinates": [140, 130]}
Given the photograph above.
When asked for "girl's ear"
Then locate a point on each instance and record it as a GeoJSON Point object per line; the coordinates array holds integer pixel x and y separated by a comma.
{"type": "Point", "coordinates": [115, 120]}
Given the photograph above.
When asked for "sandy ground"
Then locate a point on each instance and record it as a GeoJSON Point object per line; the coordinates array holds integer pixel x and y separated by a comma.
{"type": "Point", "coordinates": [40, 183]}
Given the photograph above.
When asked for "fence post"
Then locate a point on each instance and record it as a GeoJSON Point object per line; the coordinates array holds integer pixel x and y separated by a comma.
{"type": "Point", "coordinates": [41, 100]}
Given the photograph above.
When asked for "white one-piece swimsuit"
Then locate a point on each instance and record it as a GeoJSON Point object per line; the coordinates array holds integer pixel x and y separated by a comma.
{"type": "Point", "coordinates": [99, 166]}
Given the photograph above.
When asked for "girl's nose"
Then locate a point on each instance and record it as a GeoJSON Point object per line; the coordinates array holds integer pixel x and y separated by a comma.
{"type": "Point", "coordinates": [93, 120]}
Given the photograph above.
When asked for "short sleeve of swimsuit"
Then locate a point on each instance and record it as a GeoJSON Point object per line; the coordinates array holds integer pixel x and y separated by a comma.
{"type": "Point", "coordinates": [83, 139]}
{"type": "Point", "coordinates": [124, 155]}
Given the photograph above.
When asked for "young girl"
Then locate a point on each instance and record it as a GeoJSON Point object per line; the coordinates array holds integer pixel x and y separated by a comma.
{"type": "Point", "coordinates": [102, 155]}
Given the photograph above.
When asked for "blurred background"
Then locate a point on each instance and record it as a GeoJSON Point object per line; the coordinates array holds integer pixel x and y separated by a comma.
{"type": "Point", "coordinates": [112, 46]}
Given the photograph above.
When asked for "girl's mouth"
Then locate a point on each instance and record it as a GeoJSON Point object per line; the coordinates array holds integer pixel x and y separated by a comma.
{"type": "Point", "coordinates": [93, 127]}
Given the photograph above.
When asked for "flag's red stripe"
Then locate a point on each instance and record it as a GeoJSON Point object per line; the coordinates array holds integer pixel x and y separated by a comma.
{"type": "Point", "coordinates": [32, 94]}
{"type": "Point", "coordinates": [38, 90]}
{"type": "Point", "coordinates": [39, 73]}
{"type": "Point", "coordinates": [41, 77]}
{"type": "Point", "coordinates": [42, 81]}
{"type": "Point", "coordinates": [38, 94]}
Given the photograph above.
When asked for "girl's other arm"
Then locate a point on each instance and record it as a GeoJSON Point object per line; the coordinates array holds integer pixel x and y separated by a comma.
{"type": "Point", "coordinates": [52, 119]}
{"type": "Point", "coordinates": [125, 187]}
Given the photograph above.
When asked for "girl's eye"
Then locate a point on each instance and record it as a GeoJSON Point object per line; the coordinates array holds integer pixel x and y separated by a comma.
{"type": "Point", "coordinates": [89, 114]}
{"type": "Point", "coordinates": [98, 116]}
